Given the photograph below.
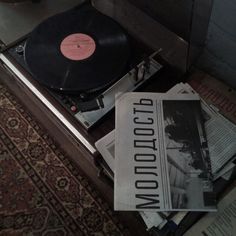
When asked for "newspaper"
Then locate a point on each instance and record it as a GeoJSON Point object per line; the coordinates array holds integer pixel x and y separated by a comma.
{"type": "Point", "coordinates": [106, 146]}
{"type": "Point", "coordinates": [153, 219]}
{"type": "Point", "coordinates": [151, 128]}
{"type": "Point", "coordinates": [221, 134]}
{"type": "Point", "coordinates": [226, 172]}
{"type": "Point", "coordinates": [217, 224]}
{"type": "Point", "coordinates": [217, 126]}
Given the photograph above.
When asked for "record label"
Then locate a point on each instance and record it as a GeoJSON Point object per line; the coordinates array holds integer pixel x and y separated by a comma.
{"type": "Point", "coordinates": [78, 46]}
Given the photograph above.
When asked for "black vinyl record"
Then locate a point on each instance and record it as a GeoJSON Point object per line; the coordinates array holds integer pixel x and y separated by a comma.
{"type": "Point", "coordinates": [76, 51]}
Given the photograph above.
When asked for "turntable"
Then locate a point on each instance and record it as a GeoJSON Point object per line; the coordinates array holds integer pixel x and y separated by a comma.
{"type": "Point", "coordinates": [77, 60]}
{"type": "Point", "coordinates": [82, 64]}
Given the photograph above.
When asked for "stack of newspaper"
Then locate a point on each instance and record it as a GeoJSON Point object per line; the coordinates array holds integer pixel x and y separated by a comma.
{"type": "Point", "coordinates": [166, 159]}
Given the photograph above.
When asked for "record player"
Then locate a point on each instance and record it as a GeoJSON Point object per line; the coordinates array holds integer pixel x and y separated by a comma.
{"type": "Point", "coordinates": [84, 70]}
{"type": "Point", "coordinates": [75, 57]}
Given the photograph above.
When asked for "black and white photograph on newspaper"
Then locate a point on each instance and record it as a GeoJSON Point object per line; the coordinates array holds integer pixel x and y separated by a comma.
{"type": "Point", "coordinates": [188, 156]}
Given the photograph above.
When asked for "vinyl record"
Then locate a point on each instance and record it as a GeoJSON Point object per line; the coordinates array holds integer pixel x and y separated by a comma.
{"type": "Point", "coordinates": [78, 50]}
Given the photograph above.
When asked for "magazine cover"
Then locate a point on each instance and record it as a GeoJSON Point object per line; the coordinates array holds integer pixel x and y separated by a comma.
{"type": "Point", "coordinates": [162, 160]}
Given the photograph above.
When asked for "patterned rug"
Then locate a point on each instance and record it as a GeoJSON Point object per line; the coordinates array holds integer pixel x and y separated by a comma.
{"type": "Point", "coordinates": [41, 191]}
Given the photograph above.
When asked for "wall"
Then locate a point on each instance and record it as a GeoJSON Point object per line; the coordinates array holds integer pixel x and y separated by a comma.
{"type": "Point", "coordinates": [175, 15]}
{"type": "Point", "coordinates": [219, 56]}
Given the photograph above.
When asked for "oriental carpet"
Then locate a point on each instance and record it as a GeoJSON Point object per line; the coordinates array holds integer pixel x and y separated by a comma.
{"type": "Point", "coordinates": [42, 192]}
